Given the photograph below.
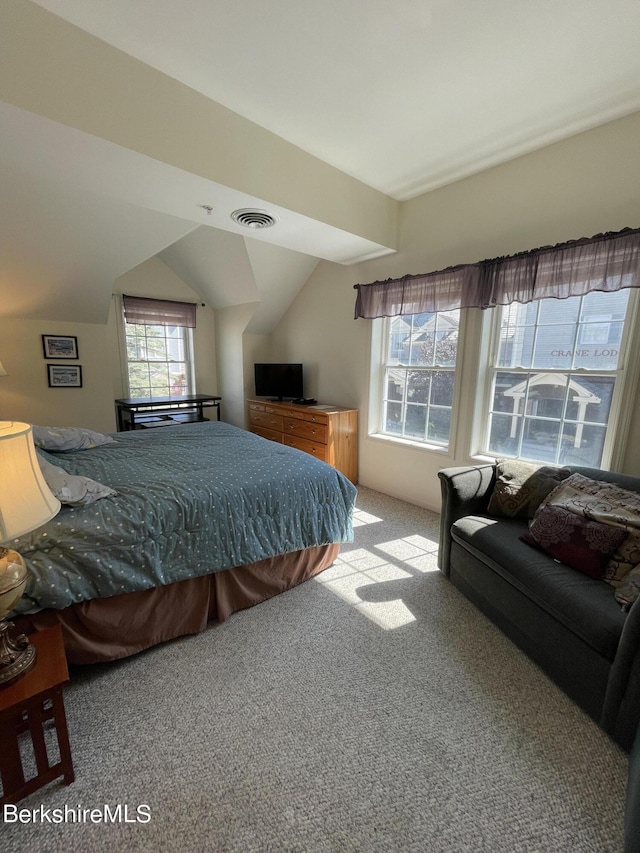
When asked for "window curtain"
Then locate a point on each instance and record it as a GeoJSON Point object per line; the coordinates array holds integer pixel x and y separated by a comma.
{"type": "Point", "coordinates": [159, 312]}
{"type": "Point", "coordinates": [606, 262]}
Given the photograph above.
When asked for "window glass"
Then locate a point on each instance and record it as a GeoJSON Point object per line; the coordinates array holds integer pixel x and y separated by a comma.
{"type": "Point", "coordinates": [419, 371]}
{"type": "Point", "coordinates": [158, 360]}
{"type": "Point", "coordinates": [553, 378]}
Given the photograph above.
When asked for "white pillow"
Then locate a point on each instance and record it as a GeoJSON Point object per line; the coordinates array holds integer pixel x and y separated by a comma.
{"type": "Point", "coordinates": [68, 438]}
{"type": "Point", "coordinates": [72, 489]}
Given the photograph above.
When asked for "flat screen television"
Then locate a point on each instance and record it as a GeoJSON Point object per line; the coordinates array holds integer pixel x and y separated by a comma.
{"type": "Point", "coordinates": [279, 380]}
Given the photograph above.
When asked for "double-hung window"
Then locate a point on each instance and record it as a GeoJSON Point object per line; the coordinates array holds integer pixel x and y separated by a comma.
{"type": "Point", "coordinates": [557, 364]}
{"type": "Point", "coordinates": [159, 347]}
{"type": "Point", "coordinates": [418, 376]}
{"type": "Point", "coordinates": [555, 378]}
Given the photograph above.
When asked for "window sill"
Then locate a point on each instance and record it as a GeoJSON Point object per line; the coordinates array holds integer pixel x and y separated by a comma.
{"type": "Point", "coordinates": [409, 443]}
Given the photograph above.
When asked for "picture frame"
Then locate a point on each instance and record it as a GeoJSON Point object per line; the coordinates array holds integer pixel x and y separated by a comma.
{"type": "Point", "coordinates": [64, 375]}
{"type": "Point", "coordinates": [60, 346]}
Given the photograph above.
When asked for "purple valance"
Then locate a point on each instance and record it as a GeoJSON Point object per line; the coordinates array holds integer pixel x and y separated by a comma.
{"type": "Point", "coordinates": [606, 262]}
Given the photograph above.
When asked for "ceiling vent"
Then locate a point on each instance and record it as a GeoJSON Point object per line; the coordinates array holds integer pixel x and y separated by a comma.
{"type": "Point", "coordinates": [250, 218]}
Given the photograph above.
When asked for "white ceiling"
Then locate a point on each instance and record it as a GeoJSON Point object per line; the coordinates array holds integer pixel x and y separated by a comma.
{"type": "Point", "coordinates": [404, 95]}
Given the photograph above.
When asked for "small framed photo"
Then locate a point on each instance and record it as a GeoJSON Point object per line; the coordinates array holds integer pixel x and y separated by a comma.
{"type": "Point", "coordinates": [65, 376]}
{"type": "Point", "coordinates": [60, 346]}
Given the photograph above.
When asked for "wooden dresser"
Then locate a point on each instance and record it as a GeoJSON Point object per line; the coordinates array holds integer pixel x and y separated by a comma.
{"type": "Point", "coordinates": [329, 433]}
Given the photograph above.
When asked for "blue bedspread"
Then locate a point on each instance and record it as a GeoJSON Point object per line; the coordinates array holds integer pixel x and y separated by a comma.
{"type": "Point", "coordinates": [190, 500]}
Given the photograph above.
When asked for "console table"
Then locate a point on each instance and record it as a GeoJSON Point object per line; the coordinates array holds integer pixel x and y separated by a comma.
{"type": "Point", "coordinates": [329, 433]}
{"type": "Point", "coordinates": [148, 412]}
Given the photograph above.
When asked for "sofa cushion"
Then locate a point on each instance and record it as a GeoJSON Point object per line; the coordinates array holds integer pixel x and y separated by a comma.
{"type": "Point", "coordinates": [521, 487]}
{"type": "Point", "coordinates": [584, 605]}
{"type": "Point", "coordinates": [576, 541]}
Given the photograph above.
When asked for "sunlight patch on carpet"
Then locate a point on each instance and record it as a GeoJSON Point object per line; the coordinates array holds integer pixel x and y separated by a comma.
{"type": "Point", "coordinates": [355, 577]}
{"type": "Point", "coordinates": [360, 517]}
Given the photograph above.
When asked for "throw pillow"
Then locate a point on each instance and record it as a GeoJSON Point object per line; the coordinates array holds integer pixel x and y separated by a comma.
{"type": "Point", "coordinates": [71, 489]}
{"type": "Point", "coordinates": [628, 589]}
{"type": "Point", "coordinates": [68, 438]}
{"type": "Point", "coordinates": [520, 487]}
{"type": "Point", "coordinates": [574, 540]}
{"type": "Point", "coordinates": [607, 503]}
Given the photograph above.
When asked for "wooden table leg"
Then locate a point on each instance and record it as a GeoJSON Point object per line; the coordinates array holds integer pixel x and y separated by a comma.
{"type": "Point", "coordinates": [63, 736]}
{"type": "Point", "coordinates": [11, 771]}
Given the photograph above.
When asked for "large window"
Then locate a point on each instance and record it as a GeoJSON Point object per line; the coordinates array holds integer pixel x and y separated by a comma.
{"type": "Point", "coordinates": [158, 360]}
{"type": "Point", "coordinates": [554, 374]}
{"type": "Point", "coordinates": [158, 341]}
{"type": "Point", "coordinates": [418, 376]}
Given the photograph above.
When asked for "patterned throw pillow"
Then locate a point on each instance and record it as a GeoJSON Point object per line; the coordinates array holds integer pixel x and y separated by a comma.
{"type": "Point", "coordinates": [600, 501]}
{"type": "Point", "coordinates": [574, 540]}
{"type": "Point", "coordinates": [629, 589]}
{"type": "Point", "coordinates": [521, 487]}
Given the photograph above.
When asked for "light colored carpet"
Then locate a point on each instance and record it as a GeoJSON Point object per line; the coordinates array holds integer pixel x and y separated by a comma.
{"type": "Point", "coordinates": [372, 709]}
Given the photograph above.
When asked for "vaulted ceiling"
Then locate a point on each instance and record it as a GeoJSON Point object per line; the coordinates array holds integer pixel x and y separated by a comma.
{"type": "Point", "coordinates": [122, 122]}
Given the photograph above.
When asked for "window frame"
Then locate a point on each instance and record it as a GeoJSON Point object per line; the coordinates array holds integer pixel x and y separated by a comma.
{"type": "Point", "coordinates": [189, 360]}
{"type": "Point", "coordinates": [625, 377]}
{"type": "Point", "coordinates": [380, 363]}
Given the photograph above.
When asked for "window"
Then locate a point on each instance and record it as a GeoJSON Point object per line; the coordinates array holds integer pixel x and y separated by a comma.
{"type": "Point", "coordinates": [159, 346]}
{"type": "Point", "coordinates": [555, 376]}
{"type": "Point", "coordinates": [418, 376]}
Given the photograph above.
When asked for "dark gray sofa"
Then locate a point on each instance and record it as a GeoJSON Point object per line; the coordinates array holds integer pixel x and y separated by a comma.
{"type": "Point", "coordinates": [568, 623]}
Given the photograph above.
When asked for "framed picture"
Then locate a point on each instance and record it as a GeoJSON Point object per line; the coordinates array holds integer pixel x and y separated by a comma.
{"type": "Point", "coordinates": [65, 376]}
{"type": "Point", "coordinates": [60, 346]}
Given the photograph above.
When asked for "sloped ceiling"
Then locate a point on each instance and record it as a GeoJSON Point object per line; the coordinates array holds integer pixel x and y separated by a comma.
{"type": "Point", "coordinates": [405, 95]}
{"type": "Point", "coordinates": [120, 119]}
{"type": "Point", "coordinates": [227, 269]}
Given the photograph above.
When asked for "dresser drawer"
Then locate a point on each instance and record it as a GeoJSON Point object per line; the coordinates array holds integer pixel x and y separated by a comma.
{"type": "Point", "coordinates": [314, 448]}
{"type": "Point", "coordinates": [305, 429]}
{"type": "Point", "coordinates": [271, 434]}
{"type": "Point", "coordinates": [265, 420]}
{"type": "Point", "coordinates": [315, 417]}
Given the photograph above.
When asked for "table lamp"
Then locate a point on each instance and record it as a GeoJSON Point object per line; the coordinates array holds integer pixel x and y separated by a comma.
{"type": "Point", "coordinates": [25, 503]}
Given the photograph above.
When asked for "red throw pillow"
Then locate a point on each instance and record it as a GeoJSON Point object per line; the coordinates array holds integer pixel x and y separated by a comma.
{"type": "Point", "coordinates": [574, 540]}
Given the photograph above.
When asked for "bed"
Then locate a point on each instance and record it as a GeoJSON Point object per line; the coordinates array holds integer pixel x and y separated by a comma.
{"type": "Point", "coordinates": [205, 520]}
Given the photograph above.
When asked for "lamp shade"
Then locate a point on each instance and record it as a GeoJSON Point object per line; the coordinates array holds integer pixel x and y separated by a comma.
{"type": "Point", "coordinates": [26, 502]}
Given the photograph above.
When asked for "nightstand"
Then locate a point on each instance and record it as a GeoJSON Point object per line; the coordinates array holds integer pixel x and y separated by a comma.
{"type": "Point", "coordinates": [25, 706]}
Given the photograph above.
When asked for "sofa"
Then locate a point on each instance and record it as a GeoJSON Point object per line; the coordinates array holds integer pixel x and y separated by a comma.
{"type": "Point", "coordinates": [569, 623]}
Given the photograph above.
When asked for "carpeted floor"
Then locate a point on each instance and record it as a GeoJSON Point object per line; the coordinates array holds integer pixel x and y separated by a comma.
{"type": "Point", "coordinates": [372, 709]}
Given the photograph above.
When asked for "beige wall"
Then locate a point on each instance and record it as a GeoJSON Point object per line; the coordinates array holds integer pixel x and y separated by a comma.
{"type": "Point", "coordinates": [575, 188]}
{"type": "Point", "coordinates": [233, 372]}
{"type": "Point", "coordinates": [24, 392]}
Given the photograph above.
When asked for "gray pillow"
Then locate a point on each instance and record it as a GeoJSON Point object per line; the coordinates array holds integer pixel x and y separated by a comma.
{"type": "Point", "coordinates": [521, 487]}
{"type": "Point", "coordinates": [72, 489]}
{"type": "Point", "coordinates": [68, 438]}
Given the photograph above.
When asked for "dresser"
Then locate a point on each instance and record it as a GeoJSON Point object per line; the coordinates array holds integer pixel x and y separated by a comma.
{"type": "Point", "coordinates": [329, 433]}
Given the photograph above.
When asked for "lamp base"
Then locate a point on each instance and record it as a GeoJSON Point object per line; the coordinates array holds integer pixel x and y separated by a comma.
{"type": "Point", "coordinates": [17, 655]}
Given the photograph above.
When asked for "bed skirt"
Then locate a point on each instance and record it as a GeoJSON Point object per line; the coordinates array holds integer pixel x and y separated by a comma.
{"type": "Point", "coordinates": [112, 628]}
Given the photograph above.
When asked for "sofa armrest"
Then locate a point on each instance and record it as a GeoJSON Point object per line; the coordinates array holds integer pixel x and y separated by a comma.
{"type": "Point", "coordinates": [621, 710]}
{"type": "Point", "coordinates": [465, 491]}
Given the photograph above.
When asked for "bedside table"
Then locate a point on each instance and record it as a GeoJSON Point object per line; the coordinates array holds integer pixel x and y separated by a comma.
{"type": "Point", "coordinates": [25, 706]}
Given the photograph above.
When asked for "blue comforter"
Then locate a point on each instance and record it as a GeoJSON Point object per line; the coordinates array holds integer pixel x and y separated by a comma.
{"type": "Point", "coordinates": [190, 500]}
